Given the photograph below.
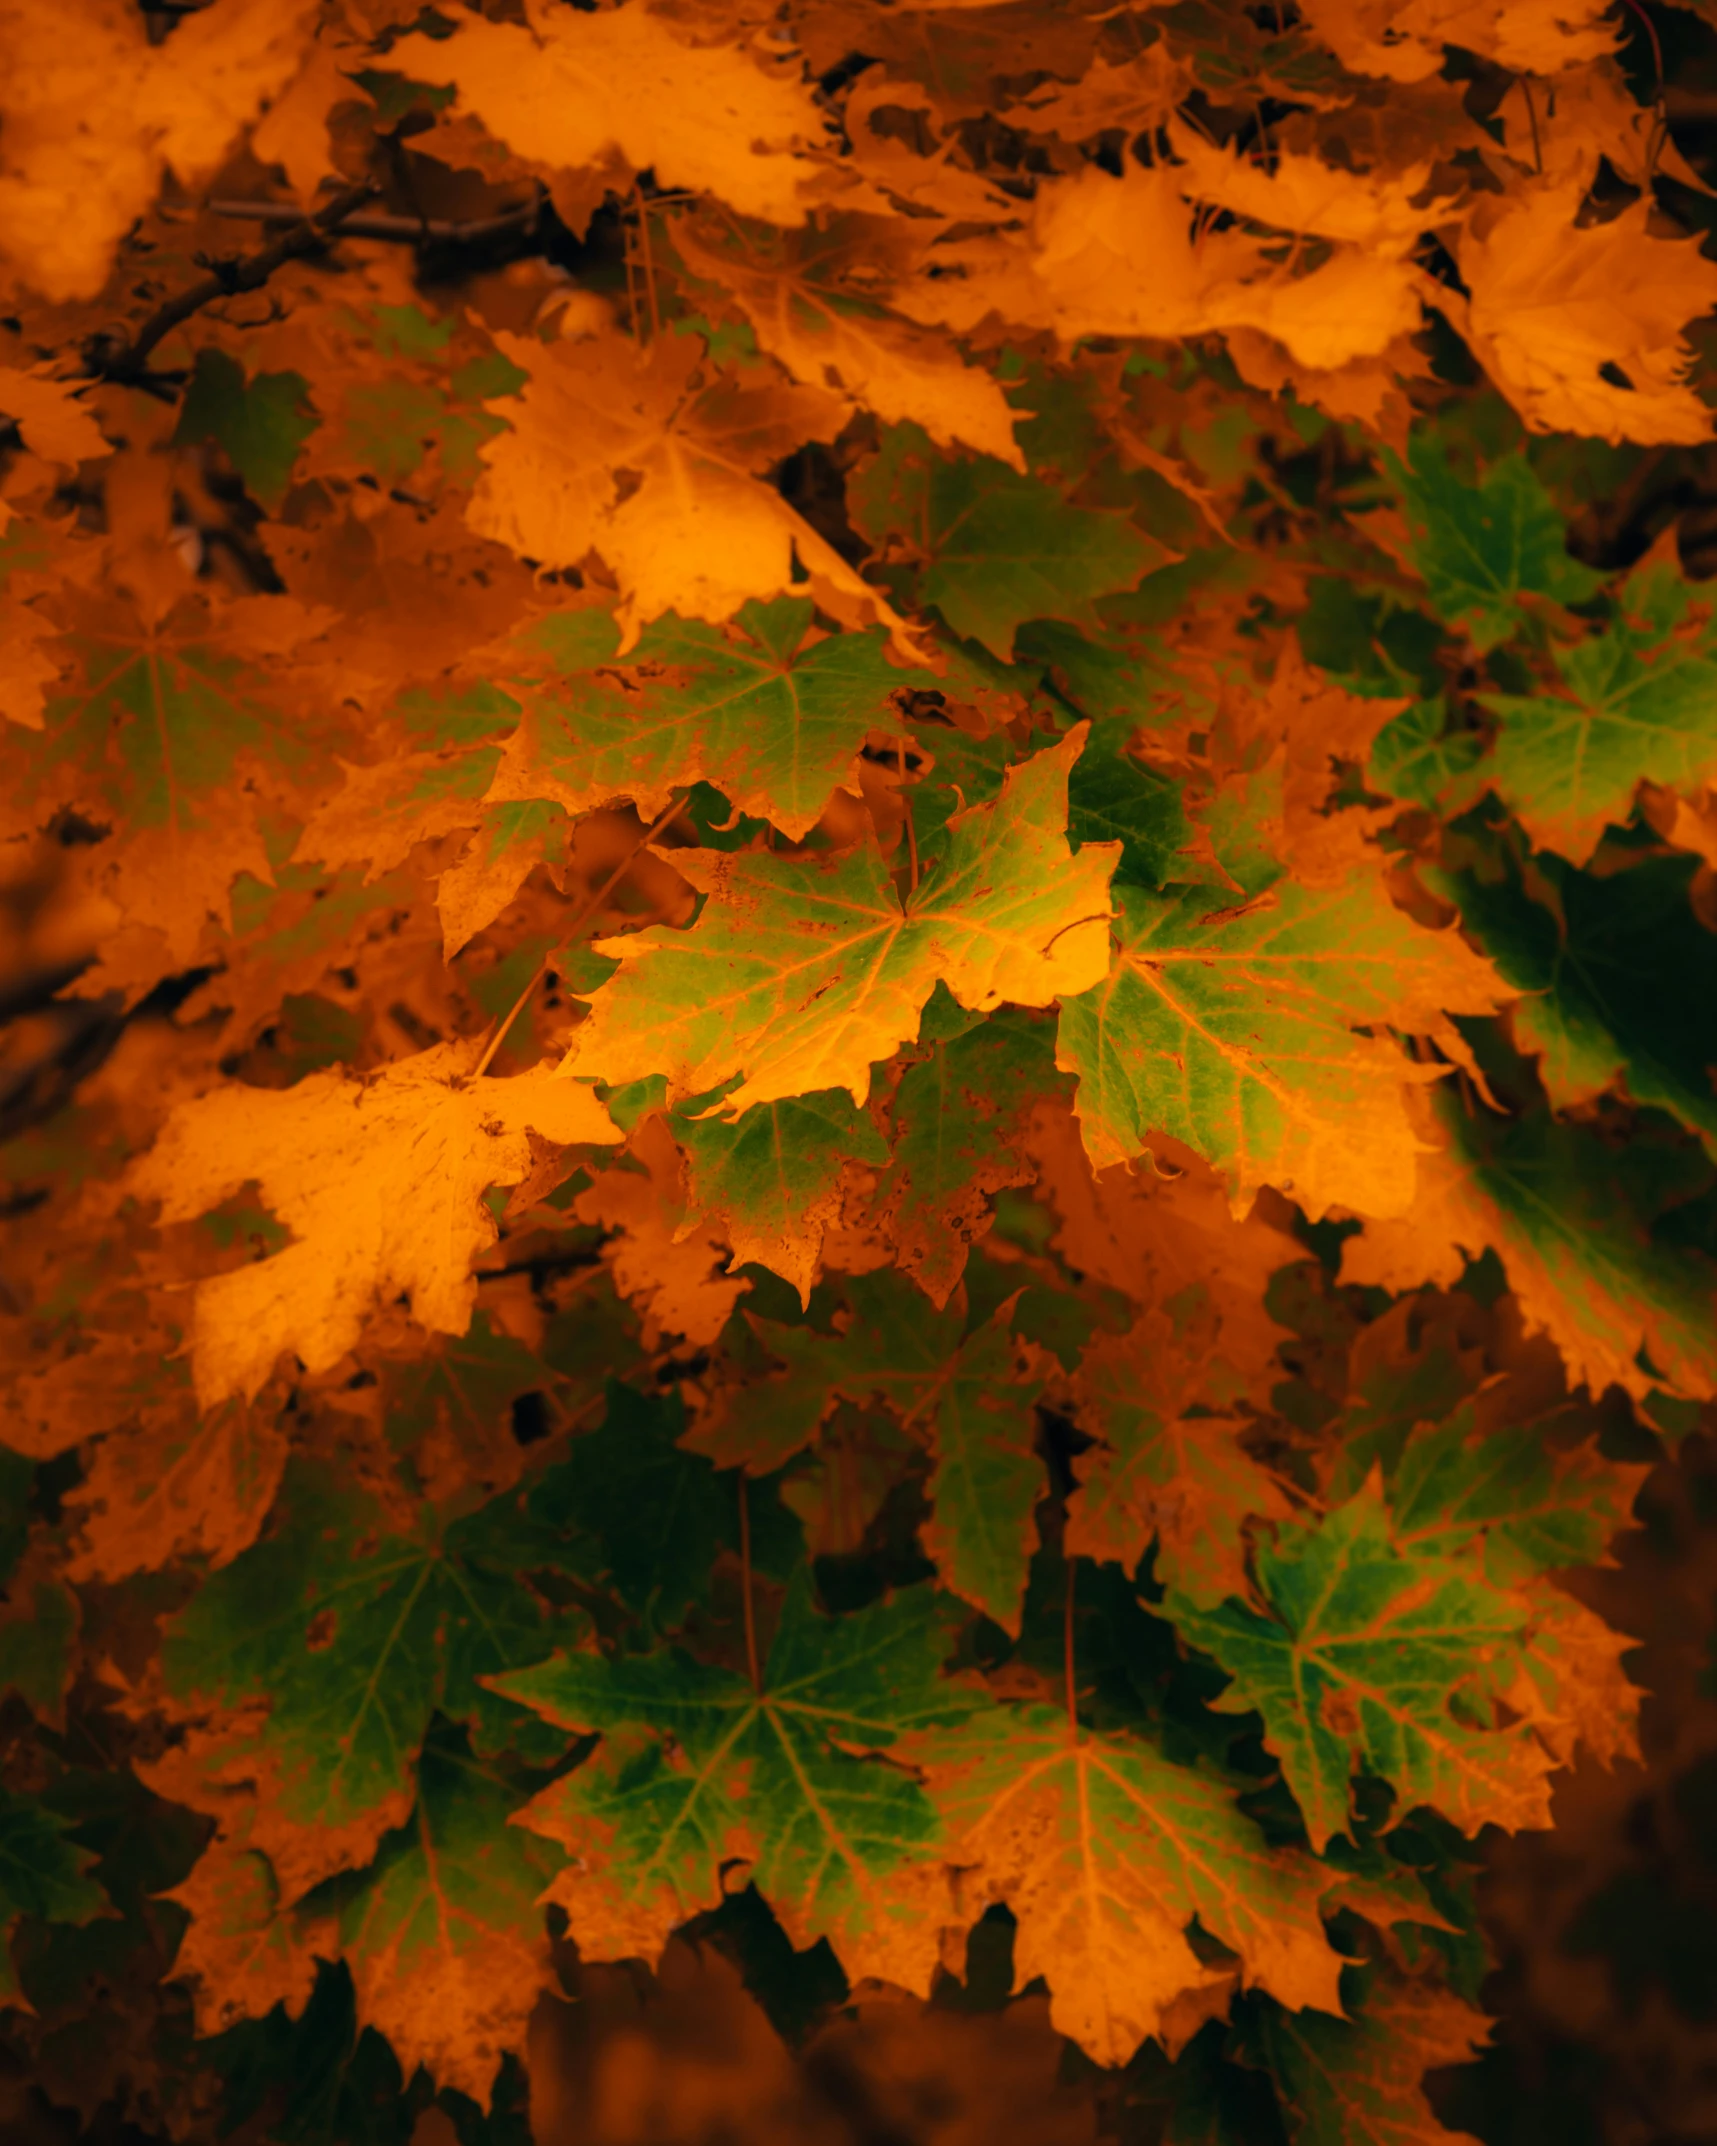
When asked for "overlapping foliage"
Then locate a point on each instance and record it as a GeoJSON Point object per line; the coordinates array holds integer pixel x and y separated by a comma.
{"type": "Point", "coordinates": [873, 1018]}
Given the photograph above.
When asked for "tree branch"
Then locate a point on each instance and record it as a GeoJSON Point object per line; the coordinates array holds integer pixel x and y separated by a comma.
{"type": "Point", "coordinates": [410, 230]}
{"type": "Point", "coordinates": [225, 280]}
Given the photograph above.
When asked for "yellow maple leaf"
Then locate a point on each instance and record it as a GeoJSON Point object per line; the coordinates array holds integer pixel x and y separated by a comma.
{"type": "Point", "coordinates": [1557, 312]}
{"type": "Point", "coordinates": [1404, 39]}
{"type": "Point", "coordinates": [566, 87]}
{"type": "Point", "coordinates": [49, 417]}
{"type": "Point", "coordinates": [1123, 257]}
{"type": "Point", "coordinates": [1165, 1230]}
{"type": "Point", "coordinates": [638, 456]}
{"type": "Point", "coordinates": [1300, 192]}
{"type": "Point", "coordinates": [671, 1268]}
{"type": "Point", "coordinates": [381, 1181]}
{"type": "Point", "coordinates": [92, 113]}
{"type": "Point", "coordinates": [816, 302]}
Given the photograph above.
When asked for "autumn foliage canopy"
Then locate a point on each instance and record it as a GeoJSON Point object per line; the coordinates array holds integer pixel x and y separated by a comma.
{"type": "Point", "coordinates": [864, 958]}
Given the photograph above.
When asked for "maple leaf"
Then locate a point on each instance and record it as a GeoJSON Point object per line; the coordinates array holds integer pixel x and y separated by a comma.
{"type": "Point", "coordinates": [1527, 1507]}
{"type": "Point", "coordinates": [703, 116]}
{"type": "Point", "coordinates": [1233, 1029]}
{"type": "Point", "coordinates": [1479, 546]}
{"type": "Point", "coordinates": [660, 1515]}
{"type": "Point", "coordinates": [812, 296]}
{"type": "Point", "coordinates": [1166, 1468]}
{"type": "Point", "coordinates": [772, 714]}
{"type": "Point", "coordinates": [443, 1933]}
{"type": "Point", "coordinates": [261, 423]}
{"type": "Point", "coordinates": [380, 1181]}
{"type": "Point", "coordinates": [1404, 39]}
{"type": "Point", "coordinates": [1359, 2081]}
{"type": "Point", "coordinates": [1105, 1851]}
{"type": "Point", "coordinates": [165, 736]}
{"type": "Point", "coordinates": [242, 1954]}
{"type": "Point", "coordinates": [995, 547]}
{"type": "Point", "coordinates": [693, 526]}
{"type": "Point", "coordinates": [39, 1630]}
{"type": "Point", "coordinates": [696, 1768]}
{"type": "Point", "coordinates": [1570, 1215]}
{"type": "Point", "coordinates": [356, 1633]}
{"type": "Point", "coordinates": [1113, 797]}
{"type": "Point", "coordinates": [1587, 953]}
{"type": "Point", "coordinates": [1118, 256]}
{"type": "Point", "coordinates": [1137, 93]}
{"type": "Point", "coordinates": [672, 1267]}
{"type": "Point", "coordinates": [800, 972]}
{"type": "Point", "coordinates": [1164, 1235]}
{"type": "Point", "coordinates": [183, 1486]}
{"type": "Point", "coordinates": [959, 1121]}
{"type": "Point", "coordinates": [969, 1395]}
{"type": "Point", "coordinates": [1558, 310]}
{"type": "Point", "coordinates": [774, 1179]}
{"type": "Point", "coordinates": [95, 112]}
{"type": "Point", "coordinates": [1369, 1656]}
{"type": "Point", "coordinates": [42, 1873]}
{"type": "Point", "coordinates": [51, 422]}
{"type": "Point", "coordinates": [1636, 705]}
{"type": "Point", "coordinates": [1302, 193]}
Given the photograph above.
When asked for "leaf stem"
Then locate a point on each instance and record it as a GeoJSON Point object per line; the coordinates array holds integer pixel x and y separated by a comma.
{"type": "Point", "coordinates": [745, 1583]}
{"type": "Point", "coordinates": [1067, 1655]}
{"type": "Point", "coordinates": [581, 915]}
{"type": "Point", "coordinates": [911, 831]}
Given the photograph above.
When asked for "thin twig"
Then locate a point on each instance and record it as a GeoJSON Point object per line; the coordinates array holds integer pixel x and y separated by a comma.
{"type": "Point", "coordinates": [408, 230]}
{"type": "Point", "coordinates": [585, 910]}
{"type": "Point", "coordinates": [745, 1583]}
{"type": "Point", "coordinates": [227, 280]}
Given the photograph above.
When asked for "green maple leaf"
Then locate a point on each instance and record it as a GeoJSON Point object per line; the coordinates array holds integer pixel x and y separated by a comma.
{"type": "Point", "coordinates": [1106, 1851]}
{"type": "Point", "coordinates": [1639, 704]}
{"type": "Point", "coordinates": [42, 1873]}
{"type": "Point", "coordinates": [958, 1119]}
{"type": "Point", "coordinates": [967, 1395]}
{"type": "Point", "coordinates": [356, 1636]}
{"type": "Point", "coordinates": [1589, 954]}
{"type": "Point", "coordinates": [38, 1639]}
{"type": "Point", "coordinates": [1526, 1506]}
{"type": "Point", "coordinates": [1420, 759]}
{"type": "Point", "coordinates": [260, 423]}
{"type": "Point", "coordinates": [697, 1768]}
{"type": "Point", "coordinates": [1479, 547]}
{"type": "Point", "coordinates": [800, 972]}
{"type": "Point", "coordinates": [443, 1933]}
{"type": "Point", "coordinates": [1589, 1230]}
{"type": "Point", "coordinates": [658, 1515]}
{"type": "Point", "coordinates": [1114, 798]}
{"type": "Point", "coordinates": [774, 1175]}
{"type": "Point", "coordinates": [1379, 1659]}
{"type": "Point", "coordinates": [773, 723]}
{"type": "Point", "coordinates": [995, 548]}
{"type": "Point", "coordinates": [1235, 1029]}
{"type": "Point", "coordinates": [1359, 2081]}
